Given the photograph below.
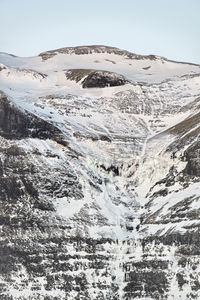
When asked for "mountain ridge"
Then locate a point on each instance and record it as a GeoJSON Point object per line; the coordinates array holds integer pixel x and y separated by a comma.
{"type": "Point", "coordinates": [103, 49]}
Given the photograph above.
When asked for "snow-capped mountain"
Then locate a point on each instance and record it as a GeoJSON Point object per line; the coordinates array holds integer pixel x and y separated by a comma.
{"type": "Point", "coordinates": [99, 172]}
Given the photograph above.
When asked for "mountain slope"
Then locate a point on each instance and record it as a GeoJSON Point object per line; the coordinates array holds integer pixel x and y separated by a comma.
{"type": "Point", "coordinates": [99, 172]}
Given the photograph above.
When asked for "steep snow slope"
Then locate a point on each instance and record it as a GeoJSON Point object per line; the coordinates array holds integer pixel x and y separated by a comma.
{"type": "Point", "coordinates": [105, 180]}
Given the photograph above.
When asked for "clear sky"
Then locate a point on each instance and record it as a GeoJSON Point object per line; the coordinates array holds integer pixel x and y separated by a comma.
{"type": "Point", "coordinates": [169, 28]}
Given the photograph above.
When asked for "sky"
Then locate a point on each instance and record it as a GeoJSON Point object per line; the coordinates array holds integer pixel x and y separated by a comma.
{"type": "Point", "coordinates": [169, 28]}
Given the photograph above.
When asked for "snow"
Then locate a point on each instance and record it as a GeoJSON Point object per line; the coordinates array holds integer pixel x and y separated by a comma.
{"type": "Point", "coordinates": [67, 208]}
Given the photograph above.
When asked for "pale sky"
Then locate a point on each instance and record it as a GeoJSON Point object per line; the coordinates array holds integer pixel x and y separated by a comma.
{"type": "Point", "coordinates": [169, 28]}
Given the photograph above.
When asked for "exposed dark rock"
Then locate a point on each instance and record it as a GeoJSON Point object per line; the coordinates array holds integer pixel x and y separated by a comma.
{"type": "Point", "coordinates": [82, 50]}
{"type": "Point", "coordinates": [101, 79]}
{"type": "Point", "coordinates": [2, 67]}
{"type": "Point", "coordinates": [16, 124]}
{"type": "Point", "coordinates": [95, 78]}
{"type": "Point", "coordinates": [13, 122]}
{"type": "Point", "coordinates": [181, 280]}
{"type": "Point", "coordinates": [192, 156]}
{"type": "Point", "coordinates": [153, 283]}
{"type": "Point", "coordinates": [114, 169]}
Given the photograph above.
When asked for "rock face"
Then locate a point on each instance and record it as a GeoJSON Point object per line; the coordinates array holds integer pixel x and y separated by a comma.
{"type": "Point", "coordinates": [13, 123]}
{"type": "Point", "coordinates": [101, 79]}
{"type": "Point", "coordinates": [99, 188]}
{"type": "Point", "coordinates": [192, 156]}
{"type": "Point", "coordinates": [95, 78]}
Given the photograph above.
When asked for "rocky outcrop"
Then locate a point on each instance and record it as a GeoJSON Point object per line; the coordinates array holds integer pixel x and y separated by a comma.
{"type": "Point", "coordinates": [13, 123]}
{"type": "Point", "coordinates": [95, 78]}
{"type": "Point", "coordinates": [192, 156]}
{"type": "Point", "coordinates": [16, 124]}
{"type": "Point", "coordinates": [101, 79]}
{"type": "Point", "coordinates": [83, 50]}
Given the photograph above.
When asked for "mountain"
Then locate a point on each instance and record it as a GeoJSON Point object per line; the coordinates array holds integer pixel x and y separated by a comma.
{"type": "Point", "coordinates": [99, 176]}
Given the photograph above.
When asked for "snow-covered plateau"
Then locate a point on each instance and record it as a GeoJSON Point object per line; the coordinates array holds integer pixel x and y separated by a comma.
{"type": "Point", "coordinates": [99, 176]}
